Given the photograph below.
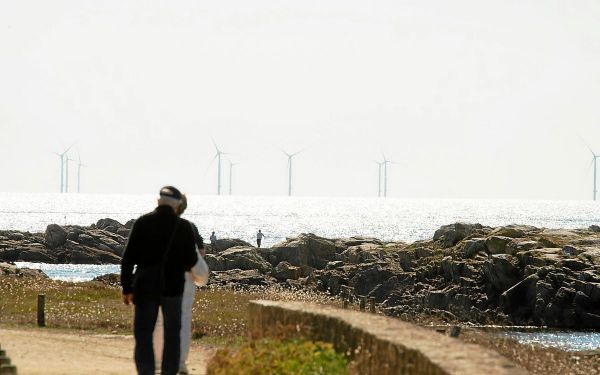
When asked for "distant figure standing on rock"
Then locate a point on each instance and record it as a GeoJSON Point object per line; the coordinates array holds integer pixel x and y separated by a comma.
{"type": "Point", "coordinates": [259, 237]}
{"type": "Point", "coordinates": [163, 248]}
{"type": "Point", "coordinates": [213, 240]}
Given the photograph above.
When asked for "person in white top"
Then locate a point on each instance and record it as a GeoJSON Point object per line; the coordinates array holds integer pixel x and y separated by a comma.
{"type": "Point", "coordinates": [259, 237]}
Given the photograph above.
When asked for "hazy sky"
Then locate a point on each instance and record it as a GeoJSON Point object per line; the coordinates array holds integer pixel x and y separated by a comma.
{"type": "Point", "coordinates": [473, 99]}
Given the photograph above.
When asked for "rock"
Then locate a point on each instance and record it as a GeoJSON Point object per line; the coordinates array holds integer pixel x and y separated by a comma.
{"type": "Point", "coordinates": [502, 271]}
{"type": "Point", "coordinates": [334, 264]}
{"type": "Point", "coordinates": [520, 296]}
{"type": "Point", "coordinates": [227, 243]}
{"type": "Point", "coordinates": [371, 275]}
{"type": "Point", "coordinates": [129, 224]}
{"type": "Point", "coordinates": [305, 250]}
{"type": "Point", "coordinates": [497, 244]}
{"type": "Point", "coordinates": [55, 236]}
{"type": "Point", "coordinates": [473, 246]}
{"type": "Point", "coordinates": [451, 234]}
{"type": "Point", "coordinates": [123, 232]}
{"type": "Point", "coordinates": [360, 254]}
{"type": "Point", "coordinates": [16, 236]}
{"type": "Point", "coordinates": [573, 264]}
{"type": "Point", "coordinates": [594, 228]}
{"type": "Point", "coordinates": [241, 277]}
{"type": "Point", "coordinates": [113, 279]}
{"type": "Point", "coordinates": [214, 262]}
{"type": "Point", "coordinates": [245, 258]}
{"type": "Point", "coordinates": [107, 222]}
{"type": "Point", "coordinates": [571, 250]}
{"type": "Point", "coordinates": [284, 271]}
{"type": "Point", "coordinates": [36, 256]}
{"type": "Point", "coordinates": [423, 252]}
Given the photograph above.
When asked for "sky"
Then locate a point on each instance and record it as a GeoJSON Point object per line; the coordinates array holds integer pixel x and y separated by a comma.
{"type": "Point", "coordinates": [469, 98]}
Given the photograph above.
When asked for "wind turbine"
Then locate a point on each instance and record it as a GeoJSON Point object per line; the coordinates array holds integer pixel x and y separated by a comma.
{"type": "Point", "coordinates": [231, 174]}
{"type": "Point", "coordinates": [218, 157]}
{"type": "Point", "coordinates": [290, 156]}
{"type": "Point", "coordinates": [67, 160]}
{"type": "Point", "coordinates": [385, 162]}
{"type": "Point", "coordinates": [594, 158]}
{"type": "Point", "coordinates": [62, 165]}
{"type": "Point", "coordinates": [79, 165]}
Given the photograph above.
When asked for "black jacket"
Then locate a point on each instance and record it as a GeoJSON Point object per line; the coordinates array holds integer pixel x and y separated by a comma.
{"type": "Point", "coordinates": [146, 246]}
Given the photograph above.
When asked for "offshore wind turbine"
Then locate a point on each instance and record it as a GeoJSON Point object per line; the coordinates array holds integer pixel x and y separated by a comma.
{"type": "Point", "coordinates": [67, 160]}
{"type": "Point", "coordinates": [385, 162]}
{"type": "Point", "coordinates": [218, 157]}
{"type": "Point", "coordinates": [79, 165]}
{"type": "Point", "coordinates": [231, 174]}
{"type": "Point", "coordinates": [290, 156]}
{"type": "Point", "coordinates": [62, 166]}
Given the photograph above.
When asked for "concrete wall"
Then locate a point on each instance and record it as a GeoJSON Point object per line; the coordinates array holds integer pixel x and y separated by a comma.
{"type": "Point", "coordinates": [379, 345]}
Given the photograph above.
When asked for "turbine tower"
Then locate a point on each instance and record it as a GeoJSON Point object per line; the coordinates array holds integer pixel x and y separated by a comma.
{"type": "Point", "coordinates": [385, 162]}
{"type": "Point", "coordinates": [594, 158]}
{"type": "Point", "coordinates": [231, 174]}
{"type": "Point", "coordinates": [218, 157]}
{"type": "Point", "coordinates": [62, 166]}
{"type": "Point", "coordinates": [67, 160]}
{"type": "Point", "coordinates": [290, 156]}
{"type": "Point", "coordinates": [79, 165]}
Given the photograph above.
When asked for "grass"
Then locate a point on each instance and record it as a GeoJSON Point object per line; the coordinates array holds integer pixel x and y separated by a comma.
{"type": "Point", "coordinates": [290, 357]}
{"type": "Point", "coordinates": [219, 314]}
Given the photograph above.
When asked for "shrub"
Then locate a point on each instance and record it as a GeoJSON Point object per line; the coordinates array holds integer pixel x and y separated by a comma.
{"type": "Point", "coordinates": [269, 357]}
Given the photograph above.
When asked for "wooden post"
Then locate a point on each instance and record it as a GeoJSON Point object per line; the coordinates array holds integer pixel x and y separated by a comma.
{"type": "Point", "coordinates": [363, 302]}
{"type": "Point", "coordinates": [41, 314]}
{"type": "Point", "coordinates": [372, 304]}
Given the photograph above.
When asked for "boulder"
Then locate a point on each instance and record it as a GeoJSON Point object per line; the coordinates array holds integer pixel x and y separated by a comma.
{"type": "Point", "coordinates": [285, 271]}
{"type": "Point", "coordinates": [497, 244]}
{"type": "Point", "coordinates": [108, 222]}
{"type": "Point", "coordinates": [245, 258]}
{"type": "Point", "coordinates": [594, 228]}
{"type": "Point", "coordinates": [473, 246]}
{"type": "Point", "coordinates": [55, 236]}
{"type": "Point", "coordinates": [227, 243]}
{"type": "Point", "coordinates": [520, 296]}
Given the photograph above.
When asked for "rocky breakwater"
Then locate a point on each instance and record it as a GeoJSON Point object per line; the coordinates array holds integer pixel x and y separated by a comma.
{"type": "Point", "coordinates": [467, 272]}
{"type": "Point", "coordinates": [100, 243]}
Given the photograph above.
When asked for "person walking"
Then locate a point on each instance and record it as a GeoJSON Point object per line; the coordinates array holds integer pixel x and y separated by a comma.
{"type": "Point", "coordinates": [259, 237]}
{"type": "Point", "coordinates": [162, 248]}
{"type": "Point", "coordinates": [189, 292]}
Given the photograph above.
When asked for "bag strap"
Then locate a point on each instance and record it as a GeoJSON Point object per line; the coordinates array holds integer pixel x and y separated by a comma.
{"type": "Point", "coordinates": [164, 258]}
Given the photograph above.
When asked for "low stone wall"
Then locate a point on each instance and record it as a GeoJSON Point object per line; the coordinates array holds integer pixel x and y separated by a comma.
{"type": "Point", "coordinates": [379, 345]}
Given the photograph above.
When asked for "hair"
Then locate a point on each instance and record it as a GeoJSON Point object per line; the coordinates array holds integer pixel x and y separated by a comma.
{"type": "Point", "coordinates": [168, 201]}
{"type": "Point", "coordinates": [183, 204]}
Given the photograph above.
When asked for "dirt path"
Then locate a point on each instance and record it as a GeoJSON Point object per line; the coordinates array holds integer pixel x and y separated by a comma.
{"type": "Point", "coordinates": [41, 351]}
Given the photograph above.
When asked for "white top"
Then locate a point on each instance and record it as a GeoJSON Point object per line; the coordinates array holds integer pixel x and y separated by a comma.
{"type": "Point", "coordinates": [213, 238]}
{"type": "Point", "coordinates": [259, 236]}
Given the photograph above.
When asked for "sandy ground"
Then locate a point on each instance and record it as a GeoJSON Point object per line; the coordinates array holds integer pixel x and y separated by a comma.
{"type": "Point", "coordinates": [41, 351]}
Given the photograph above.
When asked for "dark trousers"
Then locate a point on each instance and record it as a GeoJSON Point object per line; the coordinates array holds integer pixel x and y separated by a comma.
{"type": "Point", "coordinates": [146, 312]}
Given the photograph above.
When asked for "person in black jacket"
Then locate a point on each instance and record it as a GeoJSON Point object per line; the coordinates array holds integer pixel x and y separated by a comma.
{"type": "Point", "coordinates": [162, 248]}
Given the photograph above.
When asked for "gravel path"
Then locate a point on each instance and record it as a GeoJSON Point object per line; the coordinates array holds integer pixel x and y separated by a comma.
{"type": "Point", "coordinates": [42, 351]}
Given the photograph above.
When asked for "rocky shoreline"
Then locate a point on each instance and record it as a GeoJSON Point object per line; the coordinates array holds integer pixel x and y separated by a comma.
{"type": "Point", "coordinates": [512, 275]}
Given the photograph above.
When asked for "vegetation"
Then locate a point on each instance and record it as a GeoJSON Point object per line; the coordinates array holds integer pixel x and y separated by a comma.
{"type": "Point", "coordinates": [267, 357]}
{"type": "Point", "coordinates": [219, 313]}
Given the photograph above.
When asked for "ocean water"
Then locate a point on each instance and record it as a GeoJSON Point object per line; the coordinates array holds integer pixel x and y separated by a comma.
{"type": "Point", "coordinates": [565, 340]}
{"type": "Point", "coordinates": [389, 219]}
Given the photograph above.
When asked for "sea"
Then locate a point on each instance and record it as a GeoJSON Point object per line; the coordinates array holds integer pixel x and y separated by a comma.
{"type": "Point", "coordinates": [388, 219]}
